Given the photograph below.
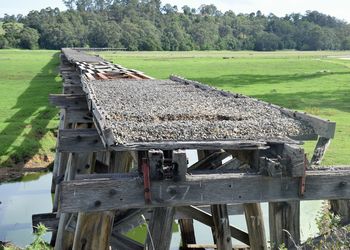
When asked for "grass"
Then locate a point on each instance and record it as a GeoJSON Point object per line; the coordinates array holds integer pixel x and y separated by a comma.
{"type": "Point", "coordinates": [27, 121]}
{"type": "Point", "coordinates": [315, 82]}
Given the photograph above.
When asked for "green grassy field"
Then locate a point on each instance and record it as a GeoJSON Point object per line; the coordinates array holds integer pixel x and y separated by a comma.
{"type": "Point", "coordinates": [27, 121]}
{"type": "Point", "coordinates": [315, 82]}
{"type": "Point", "coordinates": [309, 81]}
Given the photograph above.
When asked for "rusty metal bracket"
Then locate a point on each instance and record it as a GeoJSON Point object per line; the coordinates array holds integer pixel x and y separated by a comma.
{"type": "Point", "coordinates": [146, 180]}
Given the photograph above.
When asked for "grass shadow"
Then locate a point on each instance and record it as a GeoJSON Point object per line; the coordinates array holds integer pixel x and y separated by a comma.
{"type": "Point", "coordinates": [29, 124]}
{"type": "Point", "coordinates": [242, 80]}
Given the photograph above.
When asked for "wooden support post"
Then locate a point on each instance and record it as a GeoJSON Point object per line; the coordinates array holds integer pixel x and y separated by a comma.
{"type": "Point", "coordinates": [160, 229]}
{"type": "Point", "coordinates": [64, 239]}
{"type": "Point", "coordinates": [255, 224]}
{"type": "Point", "coordinates": [93, 230]}
{"type": "Point", "coordinates": [221, 227]}
{"type": "Point", "coordinates": [341, 208]}
{"type": "Point", "coordinates": [284, 218]}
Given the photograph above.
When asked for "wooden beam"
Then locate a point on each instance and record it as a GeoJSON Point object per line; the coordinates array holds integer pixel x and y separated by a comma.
{"type": "Point", "coordinates": [119, 241]}
{"type": "Point", "coordinates": [221, 227]}
{"type": "Point", "coordinates": [203, 145]}
{"type": "Point", "coordinates": [202, 190]}
{"type": "Point", "coordinates": [320, 150]}
{"type": "Point", "coordinates": [341, 208]}
{"type": "Point", "coordinates": [78, 116]}
{"type": "Point", "coordinates": [284, 216]}
{"type": "Point", "coordinates": [160, 229]}
{"type": "Point", "coordinates": [255, 224]}
{"type": "Point", "coordinates": [68, 101]}
{"type": "Point", "coordinates": [50, 221]}
{"type": "Point", "coordinates": [211, 161]}
{"type": "Point", "coordinates": [93, 230]}
{"type": "Point", "coordinates": [207, 219]}
{"type": "Point", "coordinates": [79, 140]}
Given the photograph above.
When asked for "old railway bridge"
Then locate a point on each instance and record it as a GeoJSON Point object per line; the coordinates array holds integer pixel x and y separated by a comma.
{"type": "Point", "coordinates": [121, 157]}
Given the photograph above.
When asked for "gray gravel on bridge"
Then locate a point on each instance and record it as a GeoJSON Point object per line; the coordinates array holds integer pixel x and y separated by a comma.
{"type": "Point", "coordinates": [77, 56]}
{"type": "Point", "coordinates": [161, 110]}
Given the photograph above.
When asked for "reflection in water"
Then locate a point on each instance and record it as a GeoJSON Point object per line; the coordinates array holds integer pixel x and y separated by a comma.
{"type": "Point", "coordinates": [31, 195]}
{"type": "Point", "coordinates": [19, 201]}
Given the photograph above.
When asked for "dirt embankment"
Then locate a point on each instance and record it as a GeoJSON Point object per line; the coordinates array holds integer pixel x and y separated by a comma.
{"type": "Point", "coordinates": [36, 164]}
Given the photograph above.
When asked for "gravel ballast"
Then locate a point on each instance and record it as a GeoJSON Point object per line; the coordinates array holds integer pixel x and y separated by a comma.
{"type": "Point", "coordinates": [77, 56]}
{"type": "Point", "coordinates": [165, 110]}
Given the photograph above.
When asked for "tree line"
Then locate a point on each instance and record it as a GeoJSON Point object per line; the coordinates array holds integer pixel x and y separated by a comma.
{"type": "Point", "coordinates": [149, 25]}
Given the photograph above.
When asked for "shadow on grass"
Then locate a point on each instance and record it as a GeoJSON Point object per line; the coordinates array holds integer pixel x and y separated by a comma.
{"type": "Point", "coordinates": [301, 99]}
{"type": "Point", "coordinates": [241, 80]}
{"type": "Point", "coordinates": [30, 123]}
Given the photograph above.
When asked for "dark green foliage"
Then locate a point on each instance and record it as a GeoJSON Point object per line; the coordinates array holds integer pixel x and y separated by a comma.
{"type": "Point", "coordinates": [149, 25]}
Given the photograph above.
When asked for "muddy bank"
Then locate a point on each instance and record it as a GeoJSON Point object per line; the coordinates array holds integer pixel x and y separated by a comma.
{"type": "Point", "coordinates": [16, 171]}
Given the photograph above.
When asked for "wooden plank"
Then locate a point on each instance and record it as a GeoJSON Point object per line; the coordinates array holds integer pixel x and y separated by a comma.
{"type": "Point", "coordinates": [284, 216]}
{"type": "Point", "coordinates": [50, 221]}
{"type": "Point", "coordinates": [79, 140]}
{"type": "Point", "coordinates": [320, 150]}
{"type": "Point", "coordinates": [203, 190]}
{"type": "Point", "coordinates": [68, 101]}
{"type": "Point", "coordinates": [207, 219]}
{"type": "Point", "coordinates": [341, 208]}
{"type": "Point", "coordinates": [92, 235]}
{"type": "Point", "coordinates": [187, 233]}
{"type": "Point", "coordinates": [160, 229]}
{"type": "Point", "coordinates": [211, 161]}
{"type": "Point", "coordinates": [180, 165]}
{"type": "Point", "coordinates": [221, 227]}
{"type": "Point", "coordinates": [78, 116]}
{"type": "Point", "coordinates": [255, 224]}
{"type": "Point", "coordinates": [119, 241]}
{"type": "Point", "coordinates": [70, 89]}
{"type": "Point", "coordinates": [202, 145]}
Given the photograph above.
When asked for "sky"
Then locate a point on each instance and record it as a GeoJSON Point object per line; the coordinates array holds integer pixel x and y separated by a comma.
{"type": "Point", "coordinates": [337, 8]}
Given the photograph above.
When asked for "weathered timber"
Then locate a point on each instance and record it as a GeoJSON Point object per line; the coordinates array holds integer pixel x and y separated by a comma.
{"type": "Point", "coordinates": [60, 158]}
{"type": "Point", "coordinates": [213, 246]}
{"type": "Point", "coordinates": [72, 89]}
{"type": "Point", "coordinates": [78, 116]}
{"type": "Point", "coordinates": [207, 219]}
{"type": "Point", "coordinates": [202, 145]}
{"type": "Point", "coordinates": [93, 230]}
{"type": "Point", "coordinates": [156, 162]}
{"type": "Point", "coordinates": [160, 229]}
{"type": "Point", "coordinates": [320, 150]}
{"type": "Point", "coordinates": [64, 238]}
{"type": "Point", "coordinates": [221, 227]}
{"type": "Point", "coordinates": [210, 162]}
{"type": "Point", "coordinates": [50, 221]}
{"type": "Point", "coordinates": [187, 233]}
{"type": "Point", "coordinates": [119, 241]}
{"type": "Point", "coordinates": [255, 224]}
{"type": "Point", "coordinates": [294, 160]}
{"type": "Point", "coordinates": [79, 140]}
{"type": "Point", "coordinates": [130, 220]}
{"type": "Point", "coordinates": [68, 101]}
{"type": "Point", "coordinates": [202, 190]}
{"type": "Point", "coordinates": [179, 161]}
{"type": "Point", "coordinates": [186, 224]}
{"type": "Point", "coordinates": [341, 208]}
{"type": "Point", "coordinates": [284, 216]}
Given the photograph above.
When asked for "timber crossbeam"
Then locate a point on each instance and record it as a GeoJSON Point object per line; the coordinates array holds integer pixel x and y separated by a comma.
{"type": "Point", "coordinates": [127, 191]}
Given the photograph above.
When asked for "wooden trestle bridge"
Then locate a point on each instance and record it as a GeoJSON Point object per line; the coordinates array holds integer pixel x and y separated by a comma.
{"type": "Point", "coordinates": [121, 158]}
